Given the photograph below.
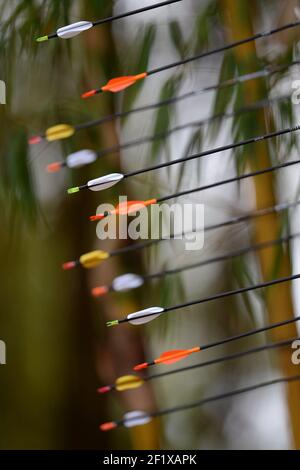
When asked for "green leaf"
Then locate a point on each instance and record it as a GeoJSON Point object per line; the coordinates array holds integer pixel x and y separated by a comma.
{"type": "Point", "coordinates": [141, 64]}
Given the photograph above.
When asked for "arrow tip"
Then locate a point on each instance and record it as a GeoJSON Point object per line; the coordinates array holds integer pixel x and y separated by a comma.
{"type": "Point", "coordinates": [73, 190]}
{"type": "Point", "coordinates": [42, 39]}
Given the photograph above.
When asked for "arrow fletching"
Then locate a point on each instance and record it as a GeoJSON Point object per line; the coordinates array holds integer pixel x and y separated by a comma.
{"type": "Point", "coordinates": [72, 30]}
{"type": "Point", "coordinates": [104, 182]}
{"type": "Point", "coordinates": [140, 317]}
{"type": "Point", "coordinates": [168, 357]}
{"type": "Point", "coordinates": [127, 282]}
{"type": "Point", "coordinates": [60, 131]}
{"type": "Point", "coordinates": [116, 84]}
{"type": "Point", "coordinates": [93, 259]}
{"type": "Point", "coordinates": [74, 160]}
{"type": "Point", "coordinates": [125, 208]}
{"type": "Point", "coordinates": [131, 419]}
{"type": "Point", "coordinates": [126, 382]}
{"type": "Point", "coordinates": [136, 418]}
{"type": "Point", "coordinates": [144, 316]}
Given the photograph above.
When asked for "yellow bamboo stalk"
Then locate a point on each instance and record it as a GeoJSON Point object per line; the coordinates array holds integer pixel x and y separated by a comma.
{"type": "Point", "coordinates": [238, 19]}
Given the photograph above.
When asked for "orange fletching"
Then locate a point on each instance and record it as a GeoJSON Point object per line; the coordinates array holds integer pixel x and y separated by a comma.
{"type": "Point", "coordinates": [125, 208]}
{"type": "Point", "coordinates": [118, 84]}
{"type": "Point", "coordinates": [175, 355]}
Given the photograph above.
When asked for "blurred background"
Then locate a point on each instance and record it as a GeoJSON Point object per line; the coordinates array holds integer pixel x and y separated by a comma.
{"type": "Point", "coordinates": [58, 348]}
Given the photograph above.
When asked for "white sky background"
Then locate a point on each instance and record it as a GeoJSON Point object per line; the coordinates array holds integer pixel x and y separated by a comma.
{"type": "Point", "coordinates": [264, 420]}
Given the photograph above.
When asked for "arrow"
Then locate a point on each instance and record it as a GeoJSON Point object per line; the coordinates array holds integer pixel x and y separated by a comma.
{"type": "Point", "coordinates": [100, 184]}
{"type": "Point", "coordinates": [120, 284]}
{"type": "Point", "coordinates": [140, 317]}
{"type": "Point", "coordinates": [265, 72]}
{"type": "Point", "coordinates": [74, 160]}
{"type": "Point", "coordinates": [235, 220]}
{"type": "Point", "coordinates": [72, 30]}
{"type": "Point", "coordinates": [145, 316]}
{"type": "Point", "coordinates": [133, 381]}
{"type": "Point", "coordinates": [136, 418]}
{"type": "Point", "coordinates": [168, 357]}
{"type": "Point", "coordinates": [56, 166]}
{"type": "Point", "coordinates": [121, 85]}
{"type": "Point", "coordinates": [133, 281]}
{"type": "Point", "coordinates": [88, 260]}
{"type": "Point", "coordinates": [126, 382]}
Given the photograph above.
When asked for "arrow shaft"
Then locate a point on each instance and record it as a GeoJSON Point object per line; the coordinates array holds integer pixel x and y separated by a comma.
{"type": "Point", "coordinates": [222, 295]}
{"type": "Point", "coordinates": [222, 396]}
{"type": "Point", "coordinates": [217, 259]}
{"type": "Point", "coordinates": [229, 180]}
{"type": "Point", "coordinates": [230, 293]}
{"type": "Point", "coordinates": [223, 148]}
{"type": "Point", "coordinates": [235, 220]}
{"type": "Point", "coordinates": [162, 135]}
{"type": "Point", "coordinates": [266, 72]}
{"type": "Point", "coordinates": [134, 12]}
{"type": "Point", "coordinates": [228, 357]}
{"type": "Point", "coordinates": [225, 48]}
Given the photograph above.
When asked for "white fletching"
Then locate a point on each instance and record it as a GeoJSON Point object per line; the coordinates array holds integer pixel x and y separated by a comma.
{"type": "Point", "coordinates": [105, 182]}
{"type": "Point", "coordinates": [136, 418]}
{"type": "Point", "coordinates": [144, 316]}
{"type": "Point", "coordinates": [127, 282]}
{"type": "Point", "coordinates": [83, 157]}
{"type": "Point", "coordinates": [71, 30]}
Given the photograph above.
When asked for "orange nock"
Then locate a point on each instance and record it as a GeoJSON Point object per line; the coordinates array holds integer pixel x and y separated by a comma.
{"type": "Point", "coordinates": [108, 426]}
{"type": "Point", "coordinates": [99, 291]}
{"type": "Point", "coordinates": [54, 167]}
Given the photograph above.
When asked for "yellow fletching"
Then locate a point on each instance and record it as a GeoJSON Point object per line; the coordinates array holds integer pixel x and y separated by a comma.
{"type": "Point", "coordinates": [61, 131]}
{"type": "Point", "coordinates": [92, 259]}
{"type": "Point", "coordinates": [127, 382]}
